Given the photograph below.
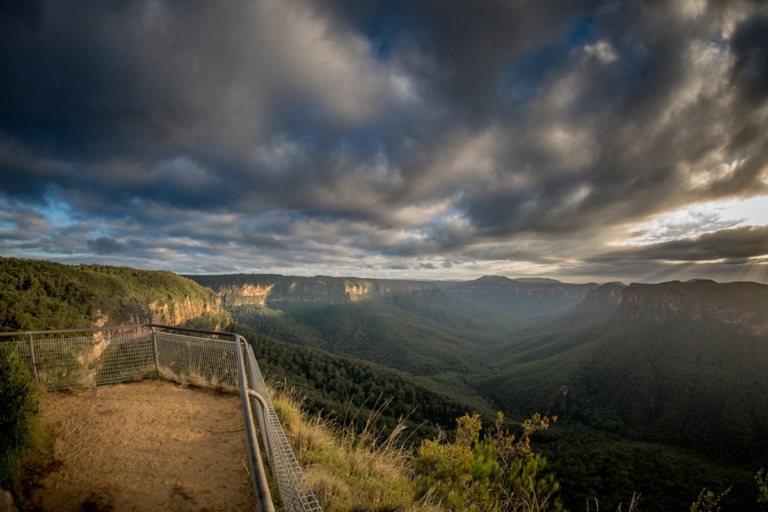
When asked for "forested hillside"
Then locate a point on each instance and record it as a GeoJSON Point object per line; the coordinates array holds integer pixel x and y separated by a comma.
{"type": "Point", "coordinates": [675, 363]}
{"type": "Point", "coordinates": [669, 376]}
{"type": "Point", "coordinates": [381, 332]}
{"type": "Point", "coordinates": [36, 295]}
{"type": "Point", "coordinates": [349, 390]}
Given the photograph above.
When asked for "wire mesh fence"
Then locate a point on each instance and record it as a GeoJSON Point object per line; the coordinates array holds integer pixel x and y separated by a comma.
{"type": "Point", "coordinates": [110, 357]}
{"type": "Point", "coordinates": [58, 360]}
{"type": "Point", "coordinates": [88, 361]}
{"type": "Point", "coordinates": [198, 361]}
{"type": "Point", "coordinates": [295, 491]}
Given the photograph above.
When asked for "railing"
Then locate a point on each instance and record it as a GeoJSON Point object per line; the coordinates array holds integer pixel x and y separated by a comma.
{"type": "Point", "coordinates": [109, 355]}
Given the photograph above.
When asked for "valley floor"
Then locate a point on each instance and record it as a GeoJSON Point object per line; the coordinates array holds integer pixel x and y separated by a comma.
{"type": "Point", "coordinates": [149, 445]}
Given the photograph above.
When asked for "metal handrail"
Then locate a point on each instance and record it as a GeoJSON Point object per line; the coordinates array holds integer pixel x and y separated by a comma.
{"type": "Point", "coordinates": [259, 475]}
{"type": "Point", "coordinates": [261, 487]}
{"type": "Point", "coordinates": [110, 328]}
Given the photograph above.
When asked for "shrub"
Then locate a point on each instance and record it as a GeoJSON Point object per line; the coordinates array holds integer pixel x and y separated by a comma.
{"type": "Point", "coordinates": [498, 472]}
{"type": "Point", "coordinates": [22, 431]}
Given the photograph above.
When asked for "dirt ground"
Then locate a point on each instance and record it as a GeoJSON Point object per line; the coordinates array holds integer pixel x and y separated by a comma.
{"type": "Point", "coordinates": [146, 446]}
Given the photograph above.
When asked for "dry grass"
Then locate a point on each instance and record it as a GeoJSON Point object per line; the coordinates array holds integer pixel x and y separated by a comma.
{"type": "Point", "coordinates": [349, 469]}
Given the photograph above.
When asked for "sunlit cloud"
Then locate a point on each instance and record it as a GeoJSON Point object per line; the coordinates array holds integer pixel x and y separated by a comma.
{"type": "Point", "coordinates": [696, 220]}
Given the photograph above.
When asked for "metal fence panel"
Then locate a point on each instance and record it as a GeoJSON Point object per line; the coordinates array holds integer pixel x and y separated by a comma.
{"type": "Point", "coordinates": [197, 361]}
{"type": "Point", "coordinates": [89, 361]}
{"type": "Point", "coordinates": [295, 491]}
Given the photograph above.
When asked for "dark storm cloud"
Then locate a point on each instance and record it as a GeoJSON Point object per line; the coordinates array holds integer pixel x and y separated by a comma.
{"type": "Point", "coordinates": [463, 51]}
{"type": "Point", "coordinates": [105, 245]}
{"type": "Point", "coordinates": [750, 47]}
{"type": "Point", "coordinates": [401, 135]}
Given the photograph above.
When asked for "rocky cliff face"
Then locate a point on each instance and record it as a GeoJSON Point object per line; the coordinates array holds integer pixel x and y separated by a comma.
{"type": "Point", "coordinates": [179, 312]}
{"type": "Point", "coordinates": [167, 313]}
{"type": "Point", "coordinates": [246, 294]}
{"type": "Point", "coordinates": [743, 305]}
{"type": "Point", "coordinates": [599, 304]}
{"type": "Point", "coordinates": [264, 290]}
{"type": "Point", "coordinates": [606, 296]}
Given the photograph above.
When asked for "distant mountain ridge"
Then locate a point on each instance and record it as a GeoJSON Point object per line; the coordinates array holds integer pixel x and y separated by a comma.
{"type": "Point", "coordinates": [527, 296]}
{"type": "Point", "coordinates": [266, 289]}
{"type": "Point", "coordinates": [743, 305]}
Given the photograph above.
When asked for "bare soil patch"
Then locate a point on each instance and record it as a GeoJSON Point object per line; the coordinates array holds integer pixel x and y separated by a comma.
{"type": "Point", "coordinates": [145, 446]}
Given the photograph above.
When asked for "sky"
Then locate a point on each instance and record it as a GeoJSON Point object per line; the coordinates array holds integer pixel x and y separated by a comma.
{"type": "Point", "coordinates": [421, 139]}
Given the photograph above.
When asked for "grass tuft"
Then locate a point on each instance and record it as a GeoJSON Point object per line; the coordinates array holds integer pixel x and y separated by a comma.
{"type": "Point", "coordinates": [349, 469]}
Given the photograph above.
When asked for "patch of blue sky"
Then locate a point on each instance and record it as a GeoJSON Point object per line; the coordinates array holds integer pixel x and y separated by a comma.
{"type": "Point", "coordinates": [389, 23]}
{"type": "Point", "coordinates": [56, 212]}
{"type": "Point", "coordinates": [364, 141]}
{"type": "Point", "coordinates": [305, 126]}
{"type": "Point", "coordinates": [103, 232]}
{"type": "Point", "coordinates": [581, 32]}
{"type": "Point", "coordinates": [521, 82]}
{"type": "Point", "coordinates": [522, 79]}
{"type": "Point", "coordinates": [7, 209]}
{"type": "Point", "coordinates": [720, 42]}
{"type": "Point", "coordinates": [302, 121]}
{"type": "Point", "coordinates": [8, 225]}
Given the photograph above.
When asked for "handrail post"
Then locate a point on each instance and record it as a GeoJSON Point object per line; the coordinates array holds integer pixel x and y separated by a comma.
{"type": "Point", "coordinates": [154, 344]}
{"type": "Point", "coordinates": [32, 355]}
{"type": "Point", "coordinates": [257, 468]}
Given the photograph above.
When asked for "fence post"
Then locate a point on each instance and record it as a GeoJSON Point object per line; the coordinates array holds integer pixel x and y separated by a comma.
{"type": "Point", "coordinates": [154, 344]}
{"type": "Point", "coordinates": [32, 355]}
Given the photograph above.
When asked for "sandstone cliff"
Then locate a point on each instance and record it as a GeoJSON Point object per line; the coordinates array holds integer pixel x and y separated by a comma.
{"type": "Point", "coordinates": [265, 289]}
{"type": "Point", "coordinates": [743, 305]}
{"type": "Point", "coordinates": [600, 304]}
{"type": "Point", "coordinates": [173, 312]}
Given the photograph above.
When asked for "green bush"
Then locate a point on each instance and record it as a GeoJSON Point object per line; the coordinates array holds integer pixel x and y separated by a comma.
{"type": "Point", "coordinates": [496, 473]}
{"type": "Point", "coordinates": [19, 415]}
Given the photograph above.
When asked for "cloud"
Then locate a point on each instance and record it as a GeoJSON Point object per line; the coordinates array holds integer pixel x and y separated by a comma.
{"type": "Point", "coordinates": [728, 244]}
{"type": "Point", "coordinates": [377, 136]}
{"type": "Point", "coordinates": [750, 49]}
{"type": "Point", "coordinates": [105, 245]}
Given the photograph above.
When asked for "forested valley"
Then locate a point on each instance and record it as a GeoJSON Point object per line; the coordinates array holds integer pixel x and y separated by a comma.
{"type": "Point", "coordinates": [659, 389]}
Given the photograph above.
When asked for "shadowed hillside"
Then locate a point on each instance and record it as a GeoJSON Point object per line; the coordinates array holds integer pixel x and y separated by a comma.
{"type": "Point", "coordinates": [679, 363]}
